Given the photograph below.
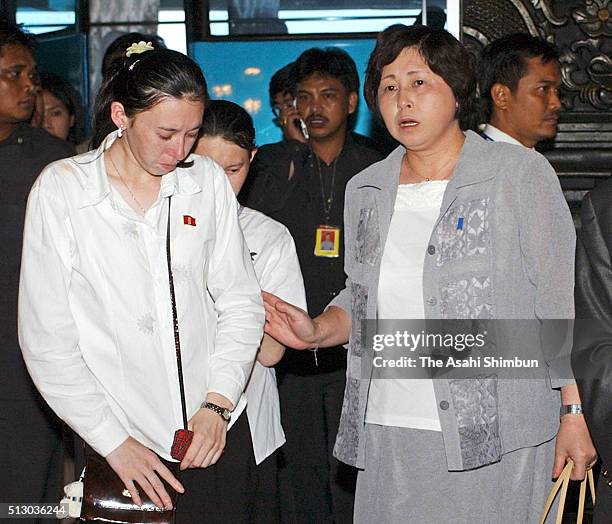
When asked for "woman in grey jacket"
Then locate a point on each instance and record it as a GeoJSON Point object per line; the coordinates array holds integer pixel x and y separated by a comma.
{"type": "Point", "coordinates": [472, 230]}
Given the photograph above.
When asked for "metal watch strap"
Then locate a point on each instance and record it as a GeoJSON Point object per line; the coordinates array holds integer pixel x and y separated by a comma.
{"type": "Point", "coordinates": [570, 409]}
{"type": "Point", "coordinates": [224, 412]}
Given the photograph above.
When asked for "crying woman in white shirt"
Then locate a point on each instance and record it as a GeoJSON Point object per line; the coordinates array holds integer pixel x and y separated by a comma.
{"type": "Point", "coordinates": [95, 311]}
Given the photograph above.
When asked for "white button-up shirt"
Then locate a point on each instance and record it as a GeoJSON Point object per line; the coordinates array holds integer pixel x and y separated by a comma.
{"type": "Point", "coordinates": [278, 270]}
{"type": "Point", "coordinates": [95, 317]}
{"type": "Point", "coordinates": [497, 135]}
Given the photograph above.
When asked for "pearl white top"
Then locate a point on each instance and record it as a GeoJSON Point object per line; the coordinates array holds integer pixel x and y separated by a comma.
{"type": "Point", "coordinates": [408, 403]}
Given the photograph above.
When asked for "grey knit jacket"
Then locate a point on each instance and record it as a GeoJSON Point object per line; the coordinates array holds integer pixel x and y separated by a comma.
{"type": "Point", "coordinates": [513, 260]}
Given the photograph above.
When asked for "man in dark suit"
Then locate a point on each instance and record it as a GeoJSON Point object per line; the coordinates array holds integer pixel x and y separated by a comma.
{"type": "Point", "coordinates": [592, 354]}
{"type": "Point", "coordinates": [302, 185]}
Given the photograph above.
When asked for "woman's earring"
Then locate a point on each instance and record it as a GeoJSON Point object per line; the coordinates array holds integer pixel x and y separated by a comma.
{"type": "Point", "coordinates": [456, 105]}
{"type": "Point", "coordinates": [120, 132]}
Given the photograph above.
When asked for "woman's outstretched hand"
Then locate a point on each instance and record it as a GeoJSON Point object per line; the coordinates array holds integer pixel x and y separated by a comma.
{"type": "Point", "coordinates": [288, 324]}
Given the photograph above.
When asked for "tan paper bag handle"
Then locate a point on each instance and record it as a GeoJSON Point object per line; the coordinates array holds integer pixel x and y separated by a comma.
{"type": "Point", "coordinates": [561, 484]}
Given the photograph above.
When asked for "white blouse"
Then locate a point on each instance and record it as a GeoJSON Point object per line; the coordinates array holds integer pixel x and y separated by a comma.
{"type": "Point", "coordinates": [95, 317]}
{"type": "Point", "coordinates": [278, 270]}
{"type": "Point", "coordinates": [408, 403]}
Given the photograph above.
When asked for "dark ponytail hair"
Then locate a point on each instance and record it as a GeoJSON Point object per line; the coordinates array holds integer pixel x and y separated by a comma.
{"type": "Point", "coordinates": [229, 121]}
{"type": "Point", "coordinates": [143, 80]}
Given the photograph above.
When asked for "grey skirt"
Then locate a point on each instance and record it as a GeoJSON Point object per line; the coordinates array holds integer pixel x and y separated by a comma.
{"type": "Point", "coordinates": [406, 480]}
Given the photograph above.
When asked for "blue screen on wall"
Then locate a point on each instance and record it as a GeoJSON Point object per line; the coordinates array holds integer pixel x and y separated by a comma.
{"type": "Point", "coordinates": [240, 71]}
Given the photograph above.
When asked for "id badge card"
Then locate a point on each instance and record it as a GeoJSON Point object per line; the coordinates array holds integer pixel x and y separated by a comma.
{"type": "Point", "coordinates": [327, 242]}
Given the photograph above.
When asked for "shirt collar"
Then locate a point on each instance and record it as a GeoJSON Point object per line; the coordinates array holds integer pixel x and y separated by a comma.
{"type": "Point", "coordinates": [97, 186]}
{"type": "Point", "coordinates": [386, 172]}
{"type": "Point", "coordinates": [349, 144]}
{"type": "Point", "coordinates": [18, 136]}
{"type": "Point", "coordinates": [499, 136]}
{"type": "Point", "coordinates": [474, 149]}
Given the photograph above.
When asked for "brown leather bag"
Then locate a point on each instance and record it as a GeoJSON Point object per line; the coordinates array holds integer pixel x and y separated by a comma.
{"type": "Point", "coordinates": [106, 499]}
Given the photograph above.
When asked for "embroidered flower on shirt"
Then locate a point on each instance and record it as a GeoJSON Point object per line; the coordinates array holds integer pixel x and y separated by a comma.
{"type": "Point", "coordinates": [471, 239]}
{"type": "Point", "coordinates": [367, 244]}
{"type": "Point", "coordinates": [146, 324]}
{"type": "Point", "coordinates": [130, 229]}
{"type": "Point", "coordinates": [347, 441]}
{"type": "Point", "coordinates": [181, 272]}
{"type": "Point", "coordinates": [470, 297]}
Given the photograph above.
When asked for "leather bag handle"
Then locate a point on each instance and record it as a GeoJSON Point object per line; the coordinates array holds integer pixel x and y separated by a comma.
{"type": "Point", "coordinates": [177, 339]}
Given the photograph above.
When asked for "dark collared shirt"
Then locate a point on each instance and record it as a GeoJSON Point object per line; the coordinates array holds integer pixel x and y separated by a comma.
{"type": "Point", "coordinates": [23, 155]}
{"type": "Point", "coordinates": [298, 204]}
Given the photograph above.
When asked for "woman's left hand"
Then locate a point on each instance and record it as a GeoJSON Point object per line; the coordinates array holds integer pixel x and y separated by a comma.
{"type": "Point", "coordinates": [209, 432]}
{"type": "Point", "coordinates": [574, 441]}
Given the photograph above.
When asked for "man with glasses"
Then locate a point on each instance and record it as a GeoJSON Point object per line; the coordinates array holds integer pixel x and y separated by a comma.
{"type": "Point", "coordinates": [301, 185]}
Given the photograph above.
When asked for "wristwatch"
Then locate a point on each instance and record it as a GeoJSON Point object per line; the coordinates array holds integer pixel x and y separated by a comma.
{"type": "Point", "coordinates": [225, 413]}
{"type": "Point", "coordinates": [573, 409]}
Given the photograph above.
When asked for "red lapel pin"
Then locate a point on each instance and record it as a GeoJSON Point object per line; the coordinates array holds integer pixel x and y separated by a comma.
{"type": "Point", "coordinates": [189, 220]}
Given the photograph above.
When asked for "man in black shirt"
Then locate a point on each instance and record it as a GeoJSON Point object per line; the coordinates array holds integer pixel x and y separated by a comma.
{"type": "Point", "coordinates": [30, 460]}
{"type": "Point", "coordinates": [302, 185]}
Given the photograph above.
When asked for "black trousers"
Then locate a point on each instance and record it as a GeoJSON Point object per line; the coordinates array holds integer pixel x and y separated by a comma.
{"type": "Point", "coordinates": [234, 490]}
{"type": "Point", "coordinates": [31, 455]}
{"type": "Point", "coordinates": [314, 486]}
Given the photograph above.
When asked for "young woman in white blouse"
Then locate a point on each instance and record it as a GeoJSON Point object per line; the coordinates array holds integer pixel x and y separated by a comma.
{"type": "Point", "coordinates": [95, 309]}
{"type": "Point", "coordinates": [228, 137]}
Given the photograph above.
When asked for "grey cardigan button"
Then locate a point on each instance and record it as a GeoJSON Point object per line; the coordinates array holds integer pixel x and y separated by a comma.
{"type": "Point", "coordinates": [431, 249]}
{"type": "Point", "coordinates": [444, 405]}
{"type": "Point", "coordinates": [432, 301]}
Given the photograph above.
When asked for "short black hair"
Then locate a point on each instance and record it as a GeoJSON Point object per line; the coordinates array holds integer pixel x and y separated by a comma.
{"type": "Point", "coordinates": [440, 50]}
{"type": "Point", "coordinates": [12, 34]}
{"type": "Point", "coordinates": [436, 17]}
{"type": "Point", "coordinates": [504, 61]}
{"type": "Point", "coordinates": [283, 81]}
{"type": "Point", "coordinates": [331, 62]}
{"type": "Point", "coordinates": [117, 47]}
{"type": "Point", "coordinates": [229, 121]}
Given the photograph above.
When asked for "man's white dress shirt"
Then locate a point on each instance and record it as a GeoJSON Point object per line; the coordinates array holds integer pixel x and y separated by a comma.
{"type": "Point", "coordinates": [95, 318]}
{"type": "Point", "coordinates": [499, 136]}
